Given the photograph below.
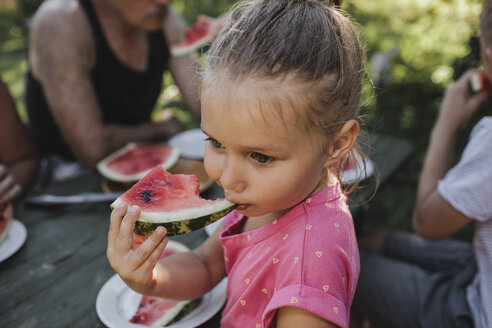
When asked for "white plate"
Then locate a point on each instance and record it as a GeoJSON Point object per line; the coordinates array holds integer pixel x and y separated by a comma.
{"type": "Point", "coordinates": [191, 143]}
{"type": "Point", "coordinates": [16, 236]}
{"type": "Point", "coordinates": [116, 303]}
{"type": "Point", "coordinates": [209, 229]}
{"type": "Point", "coordinates": [350, 176]}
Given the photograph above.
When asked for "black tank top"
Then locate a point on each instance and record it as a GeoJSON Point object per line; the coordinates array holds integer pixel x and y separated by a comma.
{"type": "Point", "coordinates": [125, 96]}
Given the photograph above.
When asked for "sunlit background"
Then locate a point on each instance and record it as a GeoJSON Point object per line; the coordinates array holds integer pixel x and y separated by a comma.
{"type": "Point", "coordinates": [415, 48]}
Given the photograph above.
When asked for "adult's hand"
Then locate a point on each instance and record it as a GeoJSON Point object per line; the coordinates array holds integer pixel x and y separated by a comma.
{"type": "Point", "coordinates": [460, 103]}
{"type": "Point", "coordinates": [9, 188]}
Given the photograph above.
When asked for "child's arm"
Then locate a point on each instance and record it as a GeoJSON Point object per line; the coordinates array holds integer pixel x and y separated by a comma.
{"type": "Point", "coordinates": [290, 317]}
{"type": "Point", "coordinates": [434, 217]}
{"type": "Point", "coordinates": [185, 275]}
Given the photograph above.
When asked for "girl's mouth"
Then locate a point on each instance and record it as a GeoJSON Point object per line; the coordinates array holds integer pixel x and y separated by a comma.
{"type": "Point", "coordinates": [242, 207]}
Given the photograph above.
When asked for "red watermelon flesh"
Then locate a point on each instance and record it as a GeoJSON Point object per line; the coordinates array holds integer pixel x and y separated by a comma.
{"type": "Point", "coordinates": [161, 191]}
{"type": "Point", "coordinates": [152, 309]}
{"type": "Point", "coordinates": [172, 201]}
{"type": "Point", "coordinates": [5, 219]}
{"type": "Point", "coordinates": [196, 36]}
{"type": "Point", "coordinates": [139, 159]}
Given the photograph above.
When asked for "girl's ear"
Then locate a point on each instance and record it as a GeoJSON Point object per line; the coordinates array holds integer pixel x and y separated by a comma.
{"type": "Point", "coordinates": [343, 141]}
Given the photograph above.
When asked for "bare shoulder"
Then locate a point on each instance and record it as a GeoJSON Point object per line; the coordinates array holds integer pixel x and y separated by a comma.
{"type": "Point", "coordinates": [57, 23]}
{"type": "Point", "coordinates": [59, 14]}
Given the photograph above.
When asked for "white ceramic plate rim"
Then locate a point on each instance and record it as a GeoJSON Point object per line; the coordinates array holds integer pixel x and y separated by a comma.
{"type": "Point", "coordinates": [108, 307]}
{"type": "Point", "coordinates": [350, 176]}
{"type": "Point", "coordinates": [209, 229]}
{"type": "Point", "coordinates": [16, 236]}
{"type": "Point", "coordinates": [191, 143]}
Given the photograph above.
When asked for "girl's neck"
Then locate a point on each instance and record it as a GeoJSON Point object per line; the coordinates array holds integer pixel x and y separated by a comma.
{"type": "Point", "coordinates": [253, 223]}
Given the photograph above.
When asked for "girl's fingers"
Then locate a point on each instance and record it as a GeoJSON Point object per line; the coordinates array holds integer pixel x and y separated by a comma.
{"type": "Point", "coordinates": [149, 264]}
{"type": "Point", "coordinates": [146, 251]}
{"type": "Point", "coordinates": [115, 222]}
{"type": "Point", "coordinates": [124, 238]}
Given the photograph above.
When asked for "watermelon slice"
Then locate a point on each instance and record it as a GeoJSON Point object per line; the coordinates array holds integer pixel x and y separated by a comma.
{"type": "Point", "coordinates": [161, 312]}
{"type": "Point", "coordinates": [133, 161]}
{"type": "Point", "coordinates": [5, 220]}
{"type": "Point", "coordinates": [172, 201]}
{"type": "Point", "coordinates": [478, 81]}
{"type": "Point", "coordinates": [196, 36]}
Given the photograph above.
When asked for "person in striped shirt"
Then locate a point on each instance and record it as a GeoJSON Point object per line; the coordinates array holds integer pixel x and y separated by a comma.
{"type": "Point", "coordinates": [427, 279]}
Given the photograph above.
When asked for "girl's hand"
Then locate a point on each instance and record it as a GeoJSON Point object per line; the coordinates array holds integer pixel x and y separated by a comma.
{"type": "Point", "coordinates": [459, 103]}
{"type": "Point", "coordinates": [9, 189]}
{"type": "Point", "coordinates": [134, 266]}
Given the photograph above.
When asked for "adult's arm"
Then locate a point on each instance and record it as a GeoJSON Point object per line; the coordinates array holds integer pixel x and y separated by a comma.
{"type": "Point", "coordinates": [19, 158]}
{"type": "Point", "coordinates": [434, 217]}
{"type": "Point", "coordinates": [62, 55]}
{"type": "Point", "coordinates": [185, 69]}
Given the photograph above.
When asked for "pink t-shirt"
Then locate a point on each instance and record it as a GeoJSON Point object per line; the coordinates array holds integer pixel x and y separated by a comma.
{"type": "Point", "coordinates": [308, 259]}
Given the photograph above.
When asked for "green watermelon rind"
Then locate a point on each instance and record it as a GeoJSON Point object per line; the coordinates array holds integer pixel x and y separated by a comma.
{"type": "Point", "coordinates": [103, 169]}
{"type": "Point", "coordinates": [176, 313]}
{"type": "Point", "coordinates": [187, 308]}
{"type": "Point", "coordinates": [180, 222]}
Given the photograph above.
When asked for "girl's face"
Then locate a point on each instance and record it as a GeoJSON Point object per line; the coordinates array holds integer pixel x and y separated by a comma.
{"type": "Point", "coordinates": [264, 162]}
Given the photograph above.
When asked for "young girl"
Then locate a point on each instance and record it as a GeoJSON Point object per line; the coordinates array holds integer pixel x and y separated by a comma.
{"type": "Point", "coordinates": [280, 96]}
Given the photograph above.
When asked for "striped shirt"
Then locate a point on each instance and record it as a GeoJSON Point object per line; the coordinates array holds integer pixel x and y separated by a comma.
{"type": "Point", "coordinates": [468, 188]}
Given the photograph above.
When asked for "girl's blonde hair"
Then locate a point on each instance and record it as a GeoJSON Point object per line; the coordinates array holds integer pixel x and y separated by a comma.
{"type": "Point", "coordinates": [310, 40]}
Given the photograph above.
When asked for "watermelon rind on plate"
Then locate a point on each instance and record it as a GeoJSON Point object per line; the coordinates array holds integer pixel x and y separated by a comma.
{"type": "Point", "coordinates": [135, 160]}
{"type": "Point", "coordinates": [172, 201]}
{"type": "Point", "coordinates": [149, 312]}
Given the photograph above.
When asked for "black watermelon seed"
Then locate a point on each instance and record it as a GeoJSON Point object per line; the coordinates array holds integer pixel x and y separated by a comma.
{"type": "Point", "coordinates": [147, 196]}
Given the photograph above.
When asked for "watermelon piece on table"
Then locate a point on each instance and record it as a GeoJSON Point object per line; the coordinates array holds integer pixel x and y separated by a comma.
{"type": "Point", "coordinates": [135, 160]}
{"type": "Point", "coordinates": [5, 220]}
{"type": "Point", "coordinates": [196, 36]}
{"type": "Point", "coordinates": [172, 201]}
{"type": "Point", "coordinates": [161, 312]}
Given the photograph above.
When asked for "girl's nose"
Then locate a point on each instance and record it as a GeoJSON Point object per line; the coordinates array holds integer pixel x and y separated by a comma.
{"type": "Point", "coordinates": [231, 177]}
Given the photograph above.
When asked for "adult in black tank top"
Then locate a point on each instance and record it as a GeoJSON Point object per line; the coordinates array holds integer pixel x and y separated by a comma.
{"type": "Point", "coordinates": [95, 74]}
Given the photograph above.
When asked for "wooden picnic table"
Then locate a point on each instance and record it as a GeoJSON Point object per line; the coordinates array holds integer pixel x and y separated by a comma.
{"type": "Point", "coordinates": [54, 278]}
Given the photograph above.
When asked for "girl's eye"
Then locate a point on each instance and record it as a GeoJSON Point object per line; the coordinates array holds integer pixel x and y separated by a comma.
{"type": "Point", "coordinates": [215, 143]}
{"type": "Point", "coordinates": [262, 159]}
